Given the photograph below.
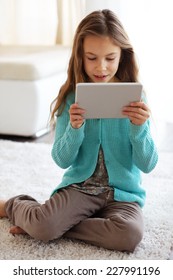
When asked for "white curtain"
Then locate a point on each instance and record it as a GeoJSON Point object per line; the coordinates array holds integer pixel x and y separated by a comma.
{"type": "Point", "coordinates": [70, 13]}
{"type": "Point", "coordinates": [28, 22]}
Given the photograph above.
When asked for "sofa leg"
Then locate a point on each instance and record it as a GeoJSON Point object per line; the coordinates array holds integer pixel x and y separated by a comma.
{"type": "Point", "coordinates": [41, 133]}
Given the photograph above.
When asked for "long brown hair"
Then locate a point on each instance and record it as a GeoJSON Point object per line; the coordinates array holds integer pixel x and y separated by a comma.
{"type": "Point", "coordinates": [98, 23]}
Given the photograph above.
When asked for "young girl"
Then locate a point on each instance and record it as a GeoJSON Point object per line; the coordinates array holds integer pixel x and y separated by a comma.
{"type": "Point", "coordinates": [100, 197]}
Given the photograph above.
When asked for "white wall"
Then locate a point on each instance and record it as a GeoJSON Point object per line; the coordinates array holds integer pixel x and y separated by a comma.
{"type": "Point", "coordinates": [150, 28]}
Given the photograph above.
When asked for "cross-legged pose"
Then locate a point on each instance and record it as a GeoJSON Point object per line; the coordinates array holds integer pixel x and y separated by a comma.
{"type": "Point", "coordinates": [100, 197]}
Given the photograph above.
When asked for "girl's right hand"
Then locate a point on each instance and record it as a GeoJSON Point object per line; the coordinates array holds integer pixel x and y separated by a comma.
{"type": "Point", "coordinates": [76, 116]}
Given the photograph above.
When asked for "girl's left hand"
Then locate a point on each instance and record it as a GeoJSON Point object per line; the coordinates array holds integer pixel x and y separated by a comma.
{"type": "Point", "coordinates": [137, 112]}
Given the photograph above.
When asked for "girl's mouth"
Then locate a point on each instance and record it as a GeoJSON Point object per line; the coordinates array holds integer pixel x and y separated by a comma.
{"type": "Point", "coordinates": [100, 77]}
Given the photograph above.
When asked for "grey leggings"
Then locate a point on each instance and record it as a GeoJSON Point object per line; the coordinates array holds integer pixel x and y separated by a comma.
{"type": "Point", "coordinates": [98, 220]}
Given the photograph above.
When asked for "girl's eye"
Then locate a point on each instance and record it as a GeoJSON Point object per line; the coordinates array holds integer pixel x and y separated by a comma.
{"type": "Point", "coordinates": [91, 58]}
{"type": "Point", "coordinates": [110, 59]}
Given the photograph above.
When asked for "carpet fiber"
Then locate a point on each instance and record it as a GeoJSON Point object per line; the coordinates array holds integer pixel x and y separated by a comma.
{"type": "Point", "coordinates": [28, 168]}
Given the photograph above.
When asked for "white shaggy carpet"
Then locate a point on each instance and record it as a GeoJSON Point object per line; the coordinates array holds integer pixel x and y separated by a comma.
{"type": "Point", "coordinates": [28, 168]}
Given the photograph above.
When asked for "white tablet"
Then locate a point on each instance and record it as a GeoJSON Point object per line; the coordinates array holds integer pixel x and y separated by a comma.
{"type": "Point", "coordinates": [106, 100]}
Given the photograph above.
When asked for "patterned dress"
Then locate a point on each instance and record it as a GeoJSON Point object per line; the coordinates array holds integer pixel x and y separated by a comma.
{"type": "Point", "coordinates": [98, 182]}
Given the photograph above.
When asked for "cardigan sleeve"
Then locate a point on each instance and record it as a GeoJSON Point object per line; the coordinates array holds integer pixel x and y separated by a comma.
{"type": "Point", "coordinates": [67, 140]}
{"type": "Point", "coordinates": [144, 151]}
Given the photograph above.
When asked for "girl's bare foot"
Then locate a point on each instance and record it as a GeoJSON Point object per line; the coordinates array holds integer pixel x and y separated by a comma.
{"type": "Point", "coordinates": [2, 208]}
{"type": "Point", "coordinates": [16, 230]}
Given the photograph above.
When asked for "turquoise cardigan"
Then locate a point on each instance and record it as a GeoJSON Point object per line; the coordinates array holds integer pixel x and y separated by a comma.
{"type": "Point", "coordinates": [128, 149]}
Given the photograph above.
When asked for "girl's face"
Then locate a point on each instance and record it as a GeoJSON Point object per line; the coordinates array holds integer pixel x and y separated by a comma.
{"type": "Point", "coordinates": [101, 59]}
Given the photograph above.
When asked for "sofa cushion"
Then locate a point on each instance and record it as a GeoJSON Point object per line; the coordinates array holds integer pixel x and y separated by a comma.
{"type": "Point", "coordinates": [32, 62]}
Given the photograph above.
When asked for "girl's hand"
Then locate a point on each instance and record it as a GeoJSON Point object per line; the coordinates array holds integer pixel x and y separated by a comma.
{"type": "Point", "coordinates": [137, 112]}
{"type": "Point", "coordinates": [76, 115]}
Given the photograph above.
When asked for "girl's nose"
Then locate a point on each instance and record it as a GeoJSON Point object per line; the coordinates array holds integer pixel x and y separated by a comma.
{"type": "Point", "coordinates": [101, 65]}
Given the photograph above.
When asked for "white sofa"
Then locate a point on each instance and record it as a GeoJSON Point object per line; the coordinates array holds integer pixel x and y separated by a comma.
{"type": "Point", "coordinates": [30, 78]}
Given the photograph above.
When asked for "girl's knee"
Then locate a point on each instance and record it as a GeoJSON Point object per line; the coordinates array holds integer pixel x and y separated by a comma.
{"type": "Point", "coordinates": [132, 236]}
{"type": "Point", "coordinates": [124, 238]}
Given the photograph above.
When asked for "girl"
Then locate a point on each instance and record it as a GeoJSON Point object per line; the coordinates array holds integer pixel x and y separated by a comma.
{"type": "Point", "coordinates": [100, 197]}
